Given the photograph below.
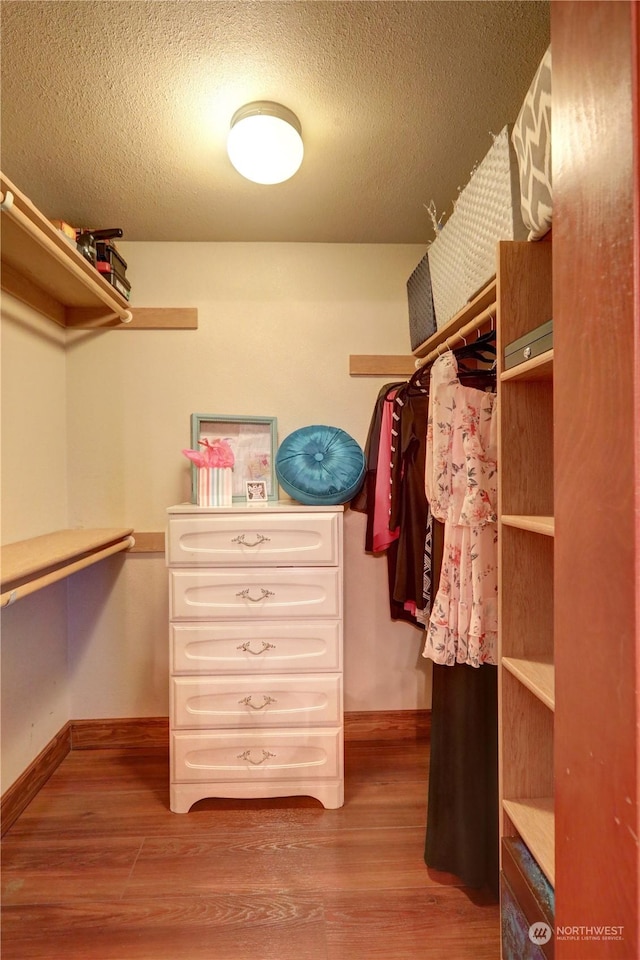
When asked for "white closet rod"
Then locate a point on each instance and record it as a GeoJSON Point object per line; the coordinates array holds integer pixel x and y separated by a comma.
{"type": "Point", "coordinates": [48, 578]}
{"type": "Point", "coordinates": [488, 314]}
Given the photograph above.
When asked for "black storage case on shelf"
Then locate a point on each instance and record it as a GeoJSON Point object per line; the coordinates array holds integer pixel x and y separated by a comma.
{"type": "Point", "coordinates": [107, 253]}
{"type": "Point", "coordinates": [120, 283]}
{"type": "Point", "coordinates": [422, 319]}
{"type": "Point", "coordinates": [531, 345]}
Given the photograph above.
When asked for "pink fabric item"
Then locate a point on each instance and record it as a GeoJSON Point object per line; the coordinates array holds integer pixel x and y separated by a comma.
{"type": "Point", "coordinates": [461, 486]}
{"type": "Point", "coordinates": [382, 536]}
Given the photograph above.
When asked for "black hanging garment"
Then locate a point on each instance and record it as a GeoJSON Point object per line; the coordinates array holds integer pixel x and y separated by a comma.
{"type": "Point", "coordinates": [462, 807]}
{"type": "Point", "coordinates": [409, 508]}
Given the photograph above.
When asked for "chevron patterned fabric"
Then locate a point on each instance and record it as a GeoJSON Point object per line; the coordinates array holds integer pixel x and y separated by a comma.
{"type": "Point", "coordinates": [531, 138]}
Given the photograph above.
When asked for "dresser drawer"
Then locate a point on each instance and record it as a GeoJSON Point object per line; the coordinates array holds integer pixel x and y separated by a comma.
{"type": "Point", "coordinates": [256, 647]}
{"type": "Point", "coordinates": [256, 701]}
{"type": "Point", "coordinates": [247, 594]}
{"type": "Point", "coordinates": [257, 755]}
{"type": "Point", "coordinates": [281, 539]}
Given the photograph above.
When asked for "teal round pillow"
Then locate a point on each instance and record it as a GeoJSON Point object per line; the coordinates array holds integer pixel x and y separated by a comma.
{"type": "Point", "coordinates": [320, 465]}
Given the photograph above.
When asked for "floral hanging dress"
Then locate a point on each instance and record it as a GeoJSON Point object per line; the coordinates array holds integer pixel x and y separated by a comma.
{"type": "Point", "coordinates": [461, 486]}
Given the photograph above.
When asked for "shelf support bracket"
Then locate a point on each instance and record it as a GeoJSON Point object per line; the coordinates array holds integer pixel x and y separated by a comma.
{"type": "Point", "coordinates": [7, 201]}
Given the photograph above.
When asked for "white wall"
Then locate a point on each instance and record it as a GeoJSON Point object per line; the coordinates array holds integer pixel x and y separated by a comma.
{"type": "Point", "coordinates": [277, 323]}
{"type": "Point", "coordinates": [35, 692]}
{"type": "Point", "coordinates": [34, 431]}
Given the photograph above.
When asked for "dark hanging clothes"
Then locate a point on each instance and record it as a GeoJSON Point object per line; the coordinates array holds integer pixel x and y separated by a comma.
{"type": "Point", "coordinates": [462, 809]}
{"type": "Point", "coordinates": [409, 508]}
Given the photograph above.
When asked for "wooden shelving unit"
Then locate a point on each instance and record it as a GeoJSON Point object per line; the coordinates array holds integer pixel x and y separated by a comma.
{"type": "Point", "coordinates": [526, 545]}
{"type": "Point", "coordinates": [42, 269]}
{"type": "Point", "coordinates": [30, 565]}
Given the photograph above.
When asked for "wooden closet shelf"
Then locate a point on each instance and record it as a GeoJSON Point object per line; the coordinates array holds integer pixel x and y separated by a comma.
{"type": "Point", "coordinates": [537, 368]}
{"type": "Point", "coordinates": [543, 525]}
{"type": "Point", "coordinates": [536, 674]}
{"type": "Point", "coordinates": [44, 270]}
{"type": "Point", "coordinates": [29, 565]}
{"type": "Point", "coordinates": [534, 821]}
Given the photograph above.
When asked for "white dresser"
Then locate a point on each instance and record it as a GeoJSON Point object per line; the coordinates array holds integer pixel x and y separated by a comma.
{"type": "Point", "coordinates": [255, 601]}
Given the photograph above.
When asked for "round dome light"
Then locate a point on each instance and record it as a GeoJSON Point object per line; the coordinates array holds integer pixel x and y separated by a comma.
{"type": "Point", "coordinates": [265, 142]}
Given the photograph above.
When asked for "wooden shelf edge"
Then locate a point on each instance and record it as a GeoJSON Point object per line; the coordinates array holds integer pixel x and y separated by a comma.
{"type": "Point", "coordinates": [30, 565]}
{"type": "Point", "coordinates": [148, 541]}
{"type": "Point", "coordinates": [534, 821]}
{"type": "Point", "coordinates": [536, 674]}
{"type": "Point", "coordinates": [538, 368]}
{"type": "Point", "coordinates": [379, 365]}
{"type": "Point", "coordinates": [143, 318]}
{"type": "Point", "coordinates": [534, 524]}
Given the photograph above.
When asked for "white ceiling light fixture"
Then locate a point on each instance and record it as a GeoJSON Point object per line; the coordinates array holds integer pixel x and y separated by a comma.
{"type": "Point", "coordinates": [265, 142]}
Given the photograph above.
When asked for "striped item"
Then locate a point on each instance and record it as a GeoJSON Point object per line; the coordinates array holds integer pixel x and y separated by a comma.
{"type": "Point", "coordinates": [215, 487]}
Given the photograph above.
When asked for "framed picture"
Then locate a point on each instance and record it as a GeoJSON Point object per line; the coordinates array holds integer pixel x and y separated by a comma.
{"type": "Point", "coordinates": [253, 441]}
{"type": "Point", "coordinates": [256, 490]}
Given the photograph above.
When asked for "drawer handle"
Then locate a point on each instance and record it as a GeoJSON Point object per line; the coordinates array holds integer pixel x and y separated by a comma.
{"type": "Point", "coordinates": [241, 539]}
{"type": "Point", "coordinates": [246, 647]}
{"type": "Point", "coordinates": [247, 756]}
{"type": "Point", "coordinates": [267, 700]}
{"type": "Point", "coordinates": [263, 595]}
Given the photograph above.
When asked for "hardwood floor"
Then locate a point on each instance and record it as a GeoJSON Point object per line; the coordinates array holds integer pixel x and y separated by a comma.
{"type": "Point", "coordinates": [98, 868]}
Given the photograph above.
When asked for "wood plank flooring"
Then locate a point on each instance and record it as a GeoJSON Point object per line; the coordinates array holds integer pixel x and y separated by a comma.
{"type": "Point", "coordinates": [98, 868]}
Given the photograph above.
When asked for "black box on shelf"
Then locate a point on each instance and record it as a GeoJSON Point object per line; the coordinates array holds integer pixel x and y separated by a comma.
{"type": "Point", "coordinates": [422, 319]}
{"type": "Point", "coordinates": [531, 345]}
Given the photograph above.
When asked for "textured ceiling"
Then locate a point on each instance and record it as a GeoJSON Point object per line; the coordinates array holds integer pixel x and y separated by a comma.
{"type": "Point", "coordinates": [116, 113]}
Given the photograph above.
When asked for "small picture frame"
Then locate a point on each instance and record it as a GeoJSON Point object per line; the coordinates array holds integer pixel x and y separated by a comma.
{"type": "Point", "coordinates": [256, 491]}
{"type": "Point", "coordinates": [253, 441]}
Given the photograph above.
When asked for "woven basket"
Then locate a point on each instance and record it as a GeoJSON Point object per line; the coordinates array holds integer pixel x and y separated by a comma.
{"type": "Point", "coordinates": [462, 258]}
{"type": "Point", "coordinates": [422, 318]}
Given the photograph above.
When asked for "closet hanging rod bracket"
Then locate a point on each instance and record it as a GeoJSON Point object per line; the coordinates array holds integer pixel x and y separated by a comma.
{"type": "Point", "coordinates": [7, 201]}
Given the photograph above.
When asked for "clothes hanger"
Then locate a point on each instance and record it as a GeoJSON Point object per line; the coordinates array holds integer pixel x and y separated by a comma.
{"type": "Point", "coordinates": [480, 349]}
